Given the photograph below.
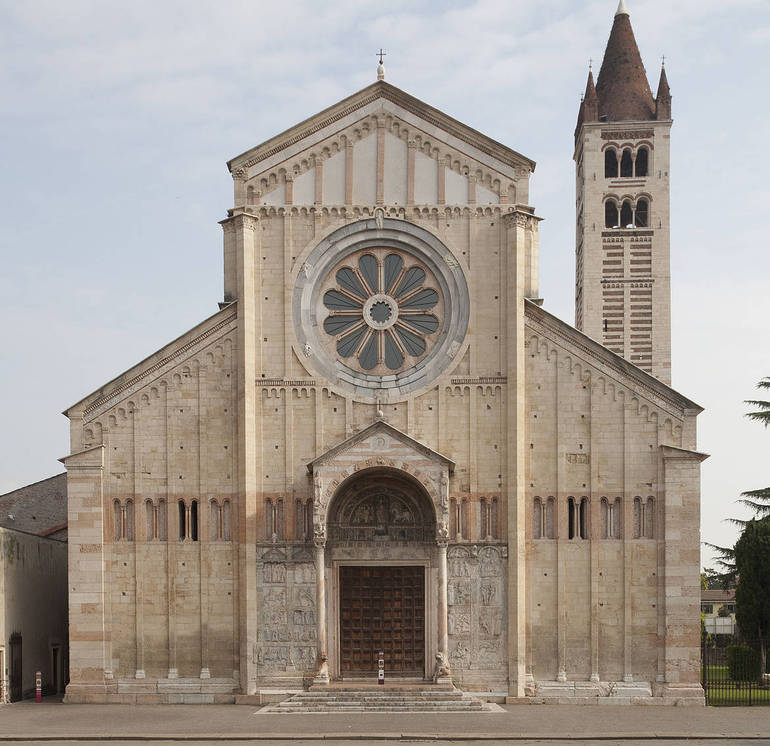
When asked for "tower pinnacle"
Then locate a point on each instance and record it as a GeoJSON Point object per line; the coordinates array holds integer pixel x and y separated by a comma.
{"type": "Point", "coordinates": [622, 9]}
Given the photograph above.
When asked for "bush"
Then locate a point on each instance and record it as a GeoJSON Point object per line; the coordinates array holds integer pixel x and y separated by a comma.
{"type": "Point", "coordinates": [743, 663]}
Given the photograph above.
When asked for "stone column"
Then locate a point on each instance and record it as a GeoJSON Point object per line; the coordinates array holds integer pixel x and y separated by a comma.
{"type": "Point", "coordinates": [322, 674]}
{"type": "Point", "coordinates": [442, 674]}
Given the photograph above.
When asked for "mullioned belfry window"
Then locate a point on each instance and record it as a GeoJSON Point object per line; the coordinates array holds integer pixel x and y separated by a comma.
{"type": "Point", "coordinates": [630, 164]}
{"type": "Point", "coordinates": [123, 520]}
{"type": "Point", "coordinates": [384, 309]}
{"type": "Point", "coordinates": [627, 214]}
{"type": "Point", "coordinates": [188, 520]}
{"type": "Point", "coordinates": [644, 518]}
{"type": "Point", "coordinates": [155, 520]}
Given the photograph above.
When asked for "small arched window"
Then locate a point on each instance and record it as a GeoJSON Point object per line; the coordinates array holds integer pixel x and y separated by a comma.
{"type": "Point", "coordinates": [117, 520]}
{"type": "Point", "coordinates": [610, 518]}
{"type": "Point", "coordinates": [583, 518]}
{"type": "Point", "coordinates": [150, 518]}
{"type": "Point", "coordinates": [649, 527]}
{"type": "Point", "coordinates": [610, 163]}
{"type": "Point", "coordinates": [626, 215]}
{"type": "Point", "coordinates": [194, 520]}
{"type": "Point", "coordinates": [129, 531]}
{"type": "Point", "coordinates": [226, 521]}
{"type": "Point", "coordinates": [162, 520]}
{"type": "Point", "coordinates": [642, 161]}
{"type": "Point", "coordinates": [644, 518]}
{"type": "Point", "coordinates": [182, 520]}
{"type": "Point", "coordinates": [626, 164]}
{"type": "Point", "coordinates": [577, 518]}
{"type": "Point", "coordinates": [611, 214]}
{"type": "Point", "coordinates": [215, 529]}
{"type": "Point", "coordinates": [537, 524]}
{"type": "Point", "coordinates": [642, 213]}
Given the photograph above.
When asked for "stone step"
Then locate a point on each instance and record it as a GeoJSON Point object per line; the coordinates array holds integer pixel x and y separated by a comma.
{"type": "Point", "coordinates": [377, 708]}
{"type": "Point", "coordinates": [374, 703]}
{"type": "Point", "coordinates": [373, 697]}
{"type": "Point", "coordinates": [402, 699]}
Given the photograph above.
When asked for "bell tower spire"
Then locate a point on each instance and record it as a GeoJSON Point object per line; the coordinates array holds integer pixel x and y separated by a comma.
{"type": "Point", "coordinates": [622, 267]}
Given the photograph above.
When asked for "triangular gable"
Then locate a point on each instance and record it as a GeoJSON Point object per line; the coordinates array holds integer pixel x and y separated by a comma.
{"type": "Point", "coordinates": [357, 101]}
{"type": "Point", "coordinates": [288, 168]}
{"type": "Point", "coordinates": [609, 362]}
{"type": "Point", "coordinates": [380, 426]}
{"type": "Point", "coordinates": [159, 363]}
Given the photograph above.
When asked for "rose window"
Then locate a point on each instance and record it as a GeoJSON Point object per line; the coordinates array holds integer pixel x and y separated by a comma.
{"type": "Point", "coordinates": [383, 310]}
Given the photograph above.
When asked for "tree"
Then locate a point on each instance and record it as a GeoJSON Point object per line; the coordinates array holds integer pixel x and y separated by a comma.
{"type": "Point", "coordinates": [752, 596]}
{"type": "Point", "coordinates": [758, 501]}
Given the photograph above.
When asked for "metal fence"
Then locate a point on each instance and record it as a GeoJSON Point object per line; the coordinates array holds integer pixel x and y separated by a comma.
{"type": "Point", "coordinates": [732, 675]}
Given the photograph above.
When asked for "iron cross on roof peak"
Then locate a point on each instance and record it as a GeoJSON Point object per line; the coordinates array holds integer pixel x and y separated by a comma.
{"type": "Point", "coordinates": [381, 68]}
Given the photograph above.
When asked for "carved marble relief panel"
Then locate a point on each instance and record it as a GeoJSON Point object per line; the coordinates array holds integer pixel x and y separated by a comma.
{"type": "Point", "coordinates": [476, 596]}
{"type": "Point", "coordinates": [286, 634]}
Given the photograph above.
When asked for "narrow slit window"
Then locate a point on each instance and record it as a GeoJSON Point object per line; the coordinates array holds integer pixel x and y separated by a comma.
{"type": "Point", "coordinates": [129, 513]}
{"type": "Point", "coordinates": [604, 510]}
{"type": "Point", "coordinates": [214, 521]}
{"type": "Point", "coordinates": [583, 518]}
{"type": "Point", "coordinates": [571, 517]}
{"type": "Point", "coordinates": [226, 521]}
{"type": "Point", "coordinates": [182, 520]}
{"type": "Point", "coordinates": [162, 520]}
{"type": "Point", "coordinates": [549, 522]}
{"type": "Point", "coordinates": [194, 520]}
{"type": "Point", "coordinates": [537, 523]}
{"type": "Point", "coordinates": [150, 519]}
{"type": "Point", "coordinates": [117, 520]}
{"type": "Point", "coordinates": [649, 525]}
{"type": "Point", "coordinates": [638, 517]}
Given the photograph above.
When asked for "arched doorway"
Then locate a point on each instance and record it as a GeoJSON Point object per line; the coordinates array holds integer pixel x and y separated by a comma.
{"type": "Point", "coordinates": [381, 534]}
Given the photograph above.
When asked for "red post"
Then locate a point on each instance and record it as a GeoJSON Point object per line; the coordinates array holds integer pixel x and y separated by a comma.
{"type": "Point", "coordinates": [38, 686]}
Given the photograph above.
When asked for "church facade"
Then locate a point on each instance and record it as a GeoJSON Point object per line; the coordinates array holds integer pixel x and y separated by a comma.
{"type": "Point", "coordinates": [382, 443]}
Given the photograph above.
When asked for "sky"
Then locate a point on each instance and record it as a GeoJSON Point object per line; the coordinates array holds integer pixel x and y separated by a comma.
{"type": "Point", "coordinates": [116, 120]}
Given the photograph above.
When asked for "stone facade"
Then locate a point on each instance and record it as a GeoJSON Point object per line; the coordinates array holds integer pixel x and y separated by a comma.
{"type": "Point", "coordinates": [380, 389]}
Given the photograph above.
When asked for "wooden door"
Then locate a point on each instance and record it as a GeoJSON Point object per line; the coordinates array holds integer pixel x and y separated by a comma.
{"type": "Point", "coordinates": [382, 609]}
{"type": "Point", "coordinates": [14, 660]}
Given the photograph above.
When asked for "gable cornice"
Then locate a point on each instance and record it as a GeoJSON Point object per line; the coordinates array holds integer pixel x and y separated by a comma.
{"type": "Point", "coordinates": [380, 90]}
{"type": "Point", "coordinates": [381, 426]}
{"type": "Point", "coordinates": [173, 353]}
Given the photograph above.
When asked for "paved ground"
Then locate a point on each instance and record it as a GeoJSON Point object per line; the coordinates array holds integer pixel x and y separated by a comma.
{"type": "Point", "coordinates": [30, 723]}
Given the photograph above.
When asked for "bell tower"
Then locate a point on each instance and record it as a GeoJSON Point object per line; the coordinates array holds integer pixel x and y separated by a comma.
{"type": "Point", "coordinates": [622, 263]}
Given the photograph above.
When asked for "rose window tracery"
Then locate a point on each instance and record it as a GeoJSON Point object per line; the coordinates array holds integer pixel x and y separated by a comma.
{"type": "Point", "coordinates": [384, 310]}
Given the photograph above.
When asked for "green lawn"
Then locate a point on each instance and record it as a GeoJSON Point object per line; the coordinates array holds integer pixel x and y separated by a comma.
{"type": "Point", "coordinates": [720, 690]}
